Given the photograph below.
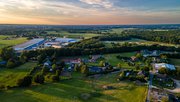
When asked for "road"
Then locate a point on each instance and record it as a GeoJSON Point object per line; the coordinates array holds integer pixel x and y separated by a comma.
{"type": "Point", "coordinates": [150, 86]}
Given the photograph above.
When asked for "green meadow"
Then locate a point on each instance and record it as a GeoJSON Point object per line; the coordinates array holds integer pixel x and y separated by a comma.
{"type": "Point", "coordinates": [9, 77]}
{"type": "Point", "coordinates": [73, 35]}
{"type": "Point", "coordinates": [11, 42]}
{"type": "Point", "coordinates": [73, 89]}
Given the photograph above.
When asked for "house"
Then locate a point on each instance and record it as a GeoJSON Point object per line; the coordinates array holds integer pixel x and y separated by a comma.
{"type": "Point", "coordinates": [95, 69]}
{"type": "Point", "coordinates": [157, 66]}
{"type": "Point", "coordinates": [47, 63]}
{"type": "Point", "coordinates": [134, 58]}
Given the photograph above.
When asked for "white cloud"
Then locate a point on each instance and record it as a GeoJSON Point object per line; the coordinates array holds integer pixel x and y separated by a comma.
{"type": "Point", "coordinates": [104, 3]}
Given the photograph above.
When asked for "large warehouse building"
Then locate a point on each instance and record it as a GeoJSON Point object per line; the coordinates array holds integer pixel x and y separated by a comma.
{"type": "Point", "coordinates": [30, 45]}
{"type": "Point", "coordinates": [65, 40]}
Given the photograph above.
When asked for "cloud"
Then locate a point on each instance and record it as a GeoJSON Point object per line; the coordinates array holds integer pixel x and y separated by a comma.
{"type": "Point", "coordinates": [82, 12]}
{"type": "Point", "coordinates": [104, 3]}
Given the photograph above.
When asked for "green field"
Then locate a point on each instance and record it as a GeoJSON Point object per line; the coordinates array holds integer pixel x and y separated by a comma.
{"type": "Point", "coordinates": [73, 35]}
{"type": "Point", "coordinates": [137, 41]}
{"type": "Point", "coordinates": [9, 77]}
{"type": "Point", "coordinates": [113, 60]}
{"type": "Point", "coordinates": [11, 42]}
{"type": "Point", "coordinates": [71, 91]}
{"type": "Point", "coordinates": [175, 61]}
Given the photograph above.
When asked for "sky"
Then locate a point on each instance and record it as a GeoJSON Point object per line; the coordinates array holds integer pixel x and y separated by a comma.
{"type": "Point", "coordinates": [89, 12]}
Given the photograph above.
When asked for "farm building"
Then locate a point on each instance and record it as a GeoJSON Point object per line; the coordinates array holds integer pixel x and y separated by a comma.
{"type": "Point", "coordinates": [30, 45]}
{"type": "Point", "coordinates": [164, 65]}
{"type": "Point", "coordinates": [65, 40]}
{"type": "Point", "coordinates": [95, 69]}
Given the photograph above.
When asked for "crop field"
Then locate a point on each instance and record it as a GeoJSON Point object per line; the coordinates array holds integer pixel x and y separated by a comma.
{"type": "Point", "coordinates": [72, 91]}
{"type": "Point", "coordinates": [10, 42]}
{"type": "Point", "coordinates": [9, 77]}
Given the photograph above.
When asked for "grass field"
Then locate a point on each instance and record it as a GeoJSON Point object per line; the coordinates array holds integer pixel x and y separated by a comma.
{"type": "Point", "coordinates": [9, 77]}
{"type": "Point", "coordinates": [137, 41]}
{"type": "Point", "coordinates": [73, 35]}
{"type": "Point", "coordinates": [11, 42]}
{"type": "Point", "coordinates": [113, 60]}
{"type": "Point", "coordinates": [71, 90]}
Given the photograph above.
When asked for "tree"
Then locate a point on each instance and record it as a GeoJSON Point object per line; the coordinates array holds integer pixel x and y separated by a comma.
{"type": "Point", "coordinates": [6, 53]}
{"type": "Point", "coordinates": [41, 58]}
{"type": "Point", "coordinates": [23, 59]}
{"type": "Point", "coordinates": [54, 67]}
{"type": "Point", "coordinates": [163, 57]}
{"type": "Point", "coordinates": [137, 66]}
{"type": "Point", "coordinates": [146, 68]}
{"type": "Point", "coordinates": [76, 68]}
{"type": "Point", "coordinates": [39, 78]}
{"type": "Point", "coordinates": [45, 70]}
{"type": "Point", "coordinates": [139, 56]}
{"type": "Point", "coordinates": [55, 78]}
{"type": "Point", "coordinates": [58, 72]}
{"type": "Point", "coordinates": [162, 71]}
{"type": "Point", "coordinates": [25, 82]}
{"type": "Point", "coordinates": [121, 75]}
{"type": "Point", "coordinates": [10, 64]}
{"type": "Point", "coordinates": [101, 64]}
{"type": "Point", "coordinates": [119, 65]}
{"type": "Point", "coordinates": [84, 69]}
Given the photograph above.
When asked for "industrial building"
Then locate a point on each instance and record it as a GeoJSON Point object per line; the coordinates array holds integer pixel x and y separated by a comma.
{"type": "Point", "coordinates": [65, 40]}
{"type": "Point", "coordinates": [30, 45]}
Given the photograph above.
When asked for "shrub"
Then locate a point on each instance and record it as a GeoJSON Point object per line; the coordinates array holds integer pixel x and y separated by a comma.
{"type": "Point", "coordinates": [39, 78]}
{"type": "Point", "coordinates": [55, 78]}
{"type": "Point", "coordinates": [10, 64]}
{"type": "Point", "coordinates": [25, 82]}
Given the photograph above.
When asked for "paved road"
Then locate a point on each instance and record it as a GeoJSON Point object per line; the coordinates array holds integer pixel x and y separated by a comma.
{"type": "Point", "coordinates": [150, 86]}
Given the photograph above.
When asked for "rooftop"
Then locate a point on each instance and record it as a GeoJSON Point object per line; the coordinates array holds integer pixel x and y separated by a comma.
{"type": "Point", "coordinates": [28, 43]}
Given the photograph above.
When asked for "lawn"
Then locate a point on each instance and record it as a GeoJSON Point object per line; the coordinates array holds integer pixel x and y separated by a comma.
{"type": "Point", "coordinates": [9, 77]}
{"type": "Point", "coordinates": [113, 60]}
{"type": "Point", "coordinates": [12, 42]}
{"type": "Point", "coordinates": [71, 90]}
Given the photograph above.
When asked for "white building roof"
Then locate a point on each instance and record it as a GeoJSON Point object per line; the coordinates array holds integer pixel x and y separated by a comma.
{"type": "Point", "coordinates": [27, 44]}
{"type": "Point", "coordinates": [164, 65]}
{"type": "Point", "coordinates": [65, 40]}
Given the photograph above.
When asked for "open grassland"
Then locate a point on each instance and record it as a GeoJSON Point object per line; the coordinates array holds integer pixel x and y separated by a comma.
{"type": "Point", "coordinates": [71, 91]}
{"type": "Point", "coordinates": [73, 35]}
{"type": "Point", "coordinates": [10, 42]}
{"type": "Point", "coordinates": [137, 41]}
{"type": "Point", "coordinates": [9, 77]}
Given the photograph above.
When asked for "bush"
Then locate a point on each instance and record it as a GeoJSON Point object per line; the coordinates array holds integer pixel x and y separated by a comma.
{"type": "Point", "coordinates": [39, 78]}
{"type": "Point", "coordinates": [55, 78]}
{"type": "Point", "coordinates": [45, 70]}
{"type": "Point", "coordinates": [10, 64]}
{"type": "Point", "coordinates": [25, 82]}
{"type": "Point", "coordinates": [58, 72]}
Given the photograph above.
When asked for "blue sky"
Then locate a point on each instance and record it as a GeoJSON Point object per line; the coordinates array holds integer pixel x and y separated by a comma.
{"type": "Point", "coordinates": [69, 12]}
